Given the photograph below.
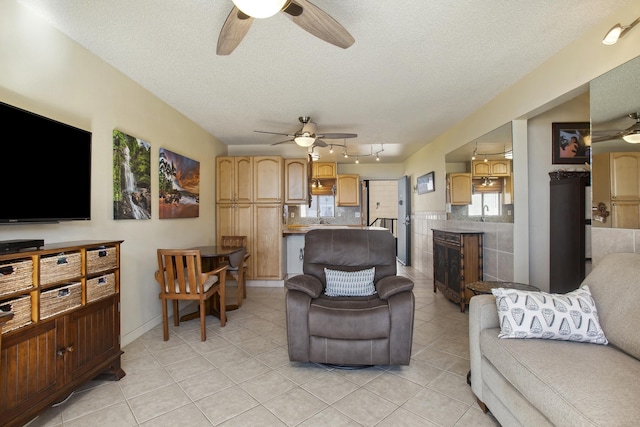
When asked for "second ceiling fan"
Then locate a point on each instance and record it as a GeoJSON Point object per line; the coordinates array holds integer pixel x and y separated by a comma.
{"type": "Point", "coordinates": [308, 136]}
{"type": "Point", "coordinates": [305, 14]}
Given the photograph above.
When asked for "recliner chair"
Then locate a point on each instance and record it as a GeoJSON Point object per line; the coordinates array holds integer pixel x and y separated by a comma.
{"type": "Point", "coordinates": [350, 330]}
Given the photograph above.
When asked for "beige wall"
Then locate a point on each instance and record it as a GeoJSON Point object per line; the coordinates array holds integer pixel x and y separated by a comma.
{"type": "Point", "coordinates": [45, 72]}
{"type": "Point", "coordinates": [559, 79]}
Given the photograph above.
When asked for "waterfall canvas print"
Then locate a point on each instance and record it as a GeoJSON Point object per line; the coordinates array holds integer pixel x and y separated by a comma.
{"type": "Point", "coordinates": [131, 177]}
{"type": "Point", "coordinates": [179, 186]}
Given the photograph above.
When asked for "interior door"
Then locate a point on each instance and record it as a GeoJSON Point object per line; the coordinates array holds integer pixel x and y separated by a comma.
{"type": "Point", "coordinates": [403, 252]}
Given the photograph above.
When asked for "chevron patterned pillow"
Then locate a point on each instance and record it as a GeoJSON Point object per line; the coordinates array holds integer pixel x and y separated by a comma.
{"type": "Point", "coordinates": [350, 283]}
{"type": "Point", "coordinates": [569, 317]}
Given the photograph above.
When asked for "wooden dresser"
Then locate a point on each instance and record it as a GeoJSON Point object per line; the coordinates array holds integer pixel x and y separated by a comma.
{"type": "Point", "coordinates": [457, 261]}
{"type": "Point", "coordinates": [65, 330]}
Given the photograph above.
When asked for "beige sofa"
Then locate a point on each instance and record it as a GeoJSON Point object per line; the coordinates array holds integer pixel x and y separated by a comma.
{"type": "Point", "coordinates": [539, 382]}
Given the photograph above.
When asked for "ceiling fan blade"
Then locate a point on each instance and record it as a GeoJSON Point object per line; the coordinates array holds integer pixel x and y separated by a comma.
{"type": "Point", "coordinates": [605, 137]}
{"type": "Point", "coordinates": [282, 142]}
{"type": "Point", "coordinates": [313, 20]}
{"type": "Point", "coordinates": [338, 135]}
{"type": "Point", "coordinates": [275, 133]}
{"type": "Point", "coordinates": [233, 31]}
{"type": "Point", "coordinates": [319, 143]}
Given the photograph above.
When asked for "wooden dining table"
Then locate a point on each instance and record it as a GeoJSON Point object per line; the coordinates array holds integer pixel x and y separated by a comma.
{"type": "Point", "coordinates": [212, 256]}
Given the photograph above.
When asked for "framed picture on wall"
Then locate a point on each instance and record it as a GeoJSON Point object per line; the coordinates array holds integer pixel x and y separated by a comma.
{"type": "Point", "coordinates": [426, 183]}
{"type": "Point", "coordinates": [571, 143]}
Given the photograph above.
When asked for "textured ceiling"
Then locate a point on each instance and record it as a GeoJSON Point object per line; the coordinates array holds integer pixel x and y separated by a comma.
{"type": "Point", "coordinates": [417, 67]}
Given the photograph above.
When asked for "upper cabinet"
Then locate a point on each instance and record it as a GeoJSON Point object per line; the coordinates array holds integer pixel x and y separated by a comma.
{"type": "Point", "coordinates": [617, 186]}
{"type": "Point", "coordinates": [324, 170]}
{"type": "Point", "coordinates": [480, 168]}
{"type": "Point", "coordinates": [348, 190]}
{"type": "Point", "coordinates": [459, 188]}
{"type": "Point", "coordinates": [295, 181]}
{"type": "Point", "coordinates": [234, 183]}
{"type": "Point", "coordinates": [267, 179]}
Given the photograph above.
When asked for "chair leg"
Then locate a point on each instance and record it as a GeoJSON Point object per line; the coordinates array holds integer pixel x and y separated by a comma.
{"type": "Point", "coordinates": [176, 313]}
{"type": "Point", "coordinates": [165, 320]}
{"type": "Point", "coordinates": [203, 325]}
{"type": "Point", "coordinates": [223, 301]}
{"type": "Point", "coordinates": [241, 291]}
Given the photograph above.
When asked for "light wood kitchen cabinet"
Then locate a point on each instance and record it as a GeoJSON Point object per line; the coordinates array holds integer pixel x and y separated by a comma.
{"type": "Point", "coordinates": [625, 189]}
{"type": "Point", "coordinates": [234, 180]}
{"type": "Point", "coordinates": [459, 188]}
{"type": "Point", "coordinates": [617, 185]}
{"type": "Point", "coordinates": [348, 190]}
{"type": "Point", "coordinates": [480, 168]}
{"type": "Point", "coordinates": [625, 176]}
{"type": "Point", "coordinates": [267, 179]}
{"type": "Point", "coordinates": [267, 244]}
{"type": "Point", "coordinates": [296, 181]}
{"type": "Point", "coordinates": [236, 220]}
{"type": "Point", "coordinates": [324, 170]}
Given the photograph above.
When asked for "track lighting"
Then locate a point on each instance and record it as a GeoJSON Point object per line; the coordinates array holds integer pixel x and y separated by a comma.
{"type": "Point", "coordinates": [485, 159]}
{"type": "Point", "coordinates": [357, 161]}
{"type": "Point", "coordinates": [331, 149]}
{"type": "Point", "coordinates": [618, 31]}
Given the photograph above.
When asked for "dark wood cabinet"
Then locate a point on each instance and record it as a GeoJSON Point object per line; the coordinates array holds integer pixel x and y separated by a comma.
{"type": "Point", "coordinates": [53, 345]}
{"type": "Point", "coordinates": [457, 261]}
{"type": "Point", "coordinates": [567, 228]}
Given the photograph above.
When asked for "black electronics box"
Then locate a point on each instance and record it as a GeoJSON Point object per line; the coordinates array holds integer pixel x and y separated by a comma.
{"type": "Point", "coordinates": [8, 246]}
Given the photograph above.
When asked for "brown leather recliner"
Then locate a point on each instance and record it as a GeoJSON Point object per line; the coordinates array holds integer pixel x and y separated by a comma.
{"type": "Point", "coordinates": [362, 330]}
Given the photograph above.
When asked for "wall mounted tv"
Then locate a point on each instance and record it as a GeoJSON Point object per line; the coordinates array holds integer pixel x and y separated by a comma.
{"type": "Point", "coordinates": [46, 169]}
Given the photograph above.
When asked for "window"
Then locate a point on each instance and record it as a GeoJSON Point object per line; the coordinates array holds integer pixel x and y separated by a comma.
{"type": "Point", "coordinates": [486, 204]}
{"type": "Point", "coordinates": [321, 206]}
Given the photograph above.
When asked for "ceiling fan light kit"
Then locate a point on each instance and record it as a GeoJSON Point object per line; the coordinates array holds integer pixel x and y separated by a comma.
{"type": "Point", "coordinates": [303, 13]}
{"type": "Point", "coordinates": [260, 8]}
{"type": "Point", "coordinates": [304, 141]}
{"type": "Point", "coordinates": [618, 31]}
{"type": "Point", "coordinates": [632, 138]}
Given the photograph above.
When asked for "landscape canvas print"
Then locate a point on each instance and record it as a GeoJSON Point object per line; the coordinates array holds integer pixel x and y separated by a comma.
{"type": "Point", "coordinates": [131, 177]}
{"type": "Point", "coordinates": [179, 186]}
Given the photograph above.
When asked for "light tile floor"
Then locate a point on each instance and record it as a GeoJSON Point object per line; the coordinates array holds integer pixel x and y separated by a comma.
{"type": "Point", "coordinates": [241, 376]}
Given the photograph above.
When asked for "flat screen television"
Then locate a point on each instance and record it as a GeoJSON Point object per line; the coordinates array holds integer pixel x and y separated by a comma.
{"type": "Point", "coordinates": [46, 169]}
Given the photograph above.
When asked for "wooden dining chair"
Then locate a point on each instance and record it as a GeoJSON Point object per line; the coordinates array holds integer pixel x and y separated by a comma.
{"type": "Point", "coordinates": [240, 277]}
{"type": "Point", "coordinates": [181, 278]}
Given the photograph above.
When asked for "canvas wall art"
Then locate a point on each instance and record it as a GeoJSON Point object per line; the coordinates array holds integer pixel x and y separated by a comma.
{"type": "Point", "coordinates": [179, 186]}
{"type": "Point", "coordinates": [131, 177]}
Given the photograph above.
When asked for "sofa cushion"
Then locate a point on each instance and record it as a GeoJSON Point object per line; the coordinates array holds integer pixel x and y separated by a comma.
{"type": "Point", "coordinates": [615, 286]}
{"type": "Point", "coordinates": [569, 317]}
{"type": "Point", "coordinates": [351, 318]}
{"type": "Point", "coordinates": [571, 383]}
{"type": "Point", "coordinates": [350, 283]}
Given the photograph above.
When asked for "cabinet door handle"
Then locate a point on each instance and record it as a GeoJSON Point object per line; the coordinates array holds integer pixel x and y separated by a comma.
{"type": "Point", "coordinates": [63, 351]}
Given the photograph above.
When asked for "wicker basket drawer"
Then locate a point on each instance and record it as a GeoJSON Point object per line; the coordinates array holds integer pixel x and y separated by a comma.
{"type": "Point", "coordinates": [59, 267]}
{"type": "Point", "coordinates": [21, 308]}
{"type": "Point", "coordinates": [60, 299]}
{"type": "Point", "coordinates": [100, 287]}
{"type": "Point", "coordinates": [16, 275]}
{"type": "Point", "coordinates": [101, 259]}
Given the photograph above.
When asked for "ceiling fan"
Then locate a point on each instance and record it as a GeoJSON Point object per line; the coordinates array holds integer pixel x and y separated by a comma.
{"type": "Point", "coordinates": [302, 12]}
{"type": "Point", "coordinates": [630, 134]}
{"type": "Point", "coordinates": [308, 136]}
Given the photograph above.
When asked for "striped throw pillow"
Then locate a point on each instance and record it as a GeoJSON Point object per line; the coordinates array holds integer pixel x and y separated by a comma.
{"type": "Point", "coordinates": [350, 283]}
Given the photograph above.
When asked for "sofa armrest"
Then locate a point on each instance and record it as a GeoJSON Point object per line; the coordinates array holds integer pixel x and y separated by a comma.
{"type": "Point", "coordinates": [305, 283]}
{"type": "Point", "coordinates": [391, 285]}
{"type": "Point", "coordinates": [483, 314]}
